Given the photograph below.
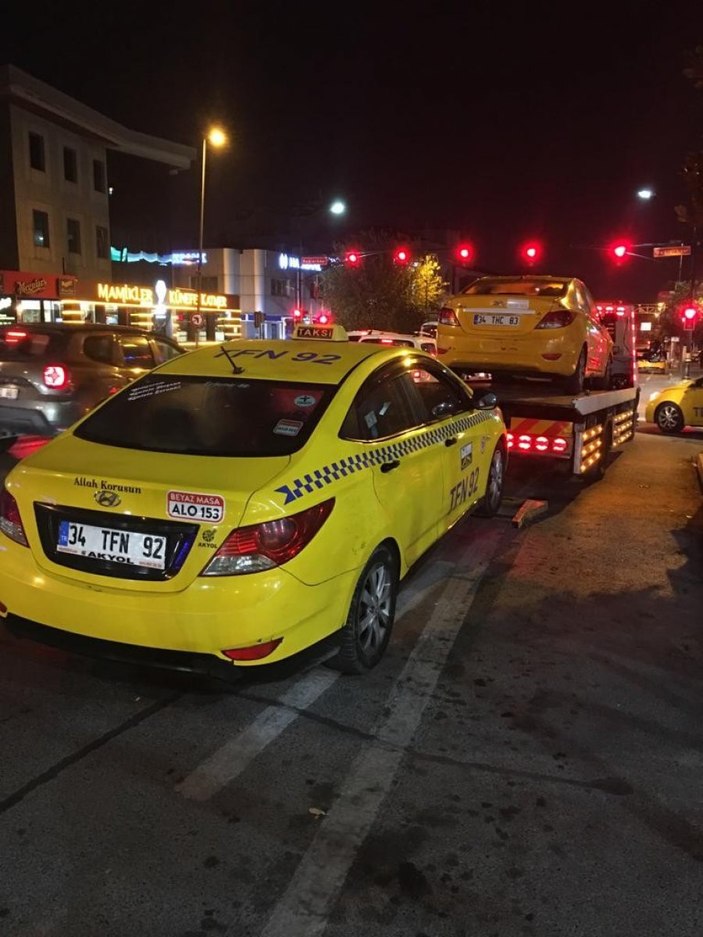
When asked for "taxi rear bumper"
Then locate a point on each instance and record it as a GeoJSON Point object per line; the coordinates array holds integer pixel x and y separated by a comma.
{"type": "Point", "coordinates": [211, 615]}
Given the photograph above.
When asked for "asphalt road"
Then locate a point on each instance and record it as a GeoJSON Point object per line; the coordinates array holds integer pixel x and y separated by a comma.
{"type": "Point", "coordinates": [526, 760]}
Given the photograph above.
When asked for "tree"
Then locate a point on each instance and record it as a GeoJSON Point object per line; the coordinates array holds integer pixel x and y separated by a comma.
{"type": "Point", "coordinates": [381, 294]}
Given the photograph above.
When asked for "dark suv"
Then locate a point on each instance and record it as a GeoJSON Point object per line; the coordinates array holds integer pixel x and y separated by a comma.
{"type": "Point", "coordinates": [52, 374]}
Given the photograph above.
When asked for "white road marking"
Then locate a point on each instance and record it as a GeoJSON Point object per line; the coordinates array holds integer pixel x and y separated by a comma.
{"type": "Point", "coordinates": [304, 908]}
{"type": "Point", "coordinates": [229, 761]}
{"type": "Point", "coordinates": [224, 765]}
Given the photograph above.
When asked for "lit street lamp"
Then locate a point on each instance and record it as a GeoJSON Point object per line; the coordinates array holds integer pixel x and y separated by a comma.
{"type": "Point", "coordinates": [645, 193]}
{"type": "Point", "coordinates": [215, 137]}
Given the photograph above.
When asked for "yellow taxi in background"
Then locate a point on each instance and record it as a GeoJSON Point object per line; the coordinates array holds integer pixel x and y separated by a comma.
{"type": "Point", "coordinates": [539, 326]}
{"type": "Point", "coordinates": [244, 501]}
{"type": "Point", "coordinates": [677, 406]}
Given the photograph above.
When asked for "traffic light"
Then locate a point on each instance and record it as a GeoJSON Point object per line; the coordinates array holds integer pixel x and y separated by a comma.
{"type": "Point", "coordinates": [259, 319]}
{"type": "Point", "coordinates": [689, 316]}
{"type": "Point", "coordinates": [465, 253]}
{"type": "Point", "coordinates": [531, 252]}
{"type": "Point", "coordinates": [619, 251]}
{"type": "Point", "coordinates": [352, 259]}
{"type": "Point", "coordinates": [297, 315]}
{"type": "Point", "coordinates": [401, 255]}
{"type": "Point", "coordinates": [324, 318]}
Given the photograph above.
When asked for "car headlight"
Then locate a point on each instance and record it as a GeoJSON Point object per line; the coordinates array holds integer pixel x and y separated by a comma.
{"type": "Point", "coordinates": [657, 393]}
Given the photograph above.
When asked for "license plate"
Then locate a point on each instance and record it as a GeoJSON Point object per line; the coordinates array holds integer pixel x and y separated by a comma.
{"type": "Point", "coordinates": [117, 546]}
{"type": "Point", "coordinates": [492, 318]}
{"type": "Point", "coordinates": [9, 391]}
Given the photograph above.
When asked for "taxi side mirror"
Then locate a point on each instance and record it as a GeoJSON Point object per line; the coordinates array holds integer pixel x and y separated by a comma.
{"type": "Point", "coordinates": [489, 401]}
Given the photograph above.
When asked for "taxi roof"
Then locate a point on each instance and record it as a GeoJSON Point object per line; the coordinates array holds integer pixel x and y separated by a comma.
{"type": "Point", "coordinates": [315, 361]}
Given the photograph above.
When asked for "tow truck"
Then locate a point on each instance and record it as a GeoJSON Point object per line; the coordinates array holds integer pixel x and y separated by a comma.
{"type": "Point", "coordinates": [579, 430]}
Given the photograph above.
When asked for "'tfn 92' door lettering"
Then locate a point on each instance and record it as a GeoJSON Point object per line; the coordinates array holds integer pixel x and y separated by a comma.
{"type": "Point", "coordinates": [464, 490]}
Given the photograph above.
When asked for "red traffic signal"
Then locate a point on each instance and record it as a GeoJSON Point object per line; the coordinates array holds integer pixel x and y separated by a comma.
{"type": "Point", "coordinates": [297, 315]}
{"type": "Point", "coordinates": [352, 258]}
{"type": "Point", "coordinates": [401, 255]}
{"type": "Point", "coordinates": [324, 318]}
{"type": "Point", "coordinates": [689, 316]}
{"type": "Point", "coordinates": [531, 252]}
{"type": "Point", "coordinates": [465, 253]}
{"type": "Point", "coordinates": [619, 250]}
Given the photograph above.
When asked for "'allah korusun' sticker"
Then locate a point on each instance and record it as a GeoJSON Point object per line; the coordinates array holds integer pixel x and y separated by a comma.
{"type": "Point", "coordinates": [151, 389]}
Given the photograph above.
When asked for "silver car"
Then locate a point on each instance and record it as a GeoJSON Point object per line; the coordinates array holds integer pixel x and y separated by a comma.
{"type": "Point", "coordinates": [52, 374]}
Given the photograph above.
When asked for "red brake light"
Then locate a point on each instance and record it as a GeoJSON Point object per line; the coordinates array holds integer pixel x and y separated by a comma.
{"type": "Point", "coordinates": [56, 376]}
{"type": "Point", "coordinates": [558, 319]}
{"type": "Point", "coordinates": [10, 520]}
{"type": "Point", "coordinates": [264, 546]}
{"type": "Point", "coordinates": [447, 316]}
{"type": "Point", "coordinates": [14, 336]}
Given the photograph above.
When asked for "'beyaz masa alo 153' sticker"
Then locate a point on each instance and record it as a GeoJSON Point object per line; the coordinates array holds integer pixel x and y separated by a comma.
{"type": "Point", "coordinates": [466, 455]}
{"type": "Point", "coordinates": [288, 427]}
{"type": "Point", "coordinates": [195, 507]}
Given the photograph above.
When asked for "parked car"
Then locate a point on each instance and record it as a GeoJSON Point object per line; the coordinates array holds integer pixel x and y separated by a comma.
{"type": "Point", "coordinates": [51, 374]}
{"type": "Point", "coordinates": [538, 326]}
{"type": "Point", "coordinates": [234, 509]}
{"type": "Point", "coordinates": [676, 406]}
{"type": "Point", "coordinates": [429, 329]}
{"type": "Point", "coordinates": [397, 339]}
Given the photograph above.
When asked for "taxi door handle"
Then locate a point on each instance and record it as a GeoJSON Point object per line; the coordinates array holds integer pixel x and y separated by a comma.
{"type": "Point", "coordinates": [389, 466]}
{"type": "Point", "coordinates": [451, 441]}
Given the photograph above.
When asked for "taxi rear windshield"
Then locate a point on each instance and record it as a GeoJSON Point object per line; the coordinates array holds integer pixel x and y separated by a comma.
{"type": "Point", "coordinates": [209, 416]}
{"type": "Point", "coordinates": [506, 287]}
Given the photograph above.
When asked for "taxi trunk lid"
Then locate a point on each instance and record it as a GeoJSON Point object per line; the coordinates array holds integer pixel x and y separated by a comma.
{"type": "Point", "coordinates": [492, 317]}
{"type": "Point", "coordinates": [121, 519]}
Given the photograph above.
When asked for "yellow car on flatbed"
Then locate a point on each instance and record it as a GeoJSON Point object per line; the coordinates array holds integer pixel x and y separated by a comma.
{"type": "Point", "coordinates": [245, 501]}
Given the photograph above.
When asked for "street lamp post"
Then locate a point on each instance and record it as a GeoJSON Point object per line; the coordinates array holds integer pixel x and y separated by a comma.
{"type": "Point", "coordinates": [336, 208]}
{"type": "Point", "coordinates": [217, 138]}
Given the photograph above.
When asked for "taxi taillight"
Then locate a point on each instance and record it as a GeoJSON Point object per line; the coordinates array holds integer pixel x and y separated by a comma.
{"type": "Point", "coordinates": [10, 520]}
{"type": "Point", "coordinates": [447, 316]}
{"type": "Point", "coordinates": [263, 546]}
{"type": "Point", "coordinates": [557, 319]}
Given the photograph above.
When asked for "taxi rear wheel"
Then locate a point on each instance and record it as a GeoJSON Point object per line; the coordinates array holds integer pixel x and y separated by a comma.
{"type": "Point", "coordinates": [575, 383]}
{"type": "Point", "coordinates": [367, 630]}
{"type": "Point", "coordinates": [490, 503]}
{"type": "Point", "coordinates": [669, 418]}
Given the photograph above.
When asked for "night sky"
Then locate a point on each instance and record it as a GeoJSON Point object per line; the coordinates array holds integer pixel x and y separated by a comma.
{"type": "Point", "coordinates": [502, 122]}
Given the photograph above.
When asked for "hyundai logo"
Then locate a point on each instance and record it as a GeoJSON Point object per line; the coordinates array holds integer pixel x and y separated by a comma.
{"type": "Point", "coordinates": [107, 499]}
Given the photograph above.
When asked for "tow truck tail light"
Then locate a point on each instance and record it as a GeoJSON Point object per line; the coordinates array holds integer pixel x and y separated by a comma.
{"type": "Point", "coordinates": [265, 546]}
{"type": "Point", "coordinates": [543, 445]}
{"type": "Point", "coordinates": [10, 520]}
{"type": "Point", "coordinates": [56, 376]}
{"type": "Point", "coordinates": [447, 316]}
{"type": "Point", "coordinates": [558, 319]}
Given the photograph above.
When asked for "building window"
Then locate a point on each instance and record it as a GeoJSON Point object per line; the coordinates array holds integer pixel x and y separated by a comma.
{"type": "Point", "coordinates": [37, 156]}
{"type": "Point", "coordinates": [207, 284]}
{"type": "Point", "coordinates": [40, 227]}
{"type": "Point", "coordinates": [99, 183]}
{"type": "Point", "coordinates": [70, 164]}
{"type": "Point", "coordinates": [102, 242]}
{"type": "Point", "coordinates": [280, 287]}
{"type": "Point", "coordinates": [73, 236]}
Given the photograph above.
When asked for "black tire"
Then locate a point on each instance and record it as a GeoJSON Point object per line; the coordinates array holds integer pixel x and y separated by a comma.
{"type": "Point", "coordinates": [367, 630]}
{"type": "Point", "coordinates": [575, 383]}
{"type": "Point", "coordinates": [669, 418]}
{"type": "Point", "coordinates": [489, 505]}
{"type": "Point", "coordinates": [603, 382]}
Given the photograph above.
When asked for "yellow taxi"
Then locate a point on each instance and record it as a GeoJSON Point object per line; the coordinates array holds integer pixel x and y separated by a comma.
{"type": "Point", "coordinates": [677, 406]}
{"type": "Point", "coordinates": [245, 501]}
{"type": "Point", "coordinates": [539, 326]}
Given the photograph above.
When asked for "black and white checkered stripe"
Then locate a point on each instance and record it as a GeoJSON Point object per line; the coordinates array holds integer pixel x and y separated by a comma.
{"type": "Point", "coordinates": [349, 465]}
